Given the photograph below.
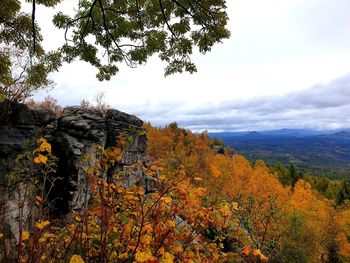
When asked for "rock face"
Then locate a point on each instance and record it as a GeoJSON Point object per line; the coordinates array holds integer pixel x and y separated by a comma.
{"type": "Point", "coordinates": [74, 135]}
{"type": "Point", "coordinates": [79, 131]}
{"type": "Point", "coordinates": [23, 124]}
{"type": "Point", "coordinates": [118, 123]}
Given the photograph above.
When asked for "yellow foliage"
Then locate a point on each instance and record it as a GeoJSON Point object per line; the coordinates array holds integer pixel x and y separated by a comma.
{"type": "Point", "coordinates": [343, 222]}
{"type": "Point", "coordinates": [215, 171]}
{"type": "Point", "coordinates": [42, 224]}
{"type": "Point", "coordinates": [167, 258]}
{"type": "Point", "coordinates": [177, 249]}
{"type": "Point", "coordinates": [25, 235]}
{"type": "Point", "coordinates": [76, 259]}
{"type": "Point", "coordinates": [146, 240]}
{"type": "Point", "coordinates": [263, 258]}
{"type": "Point", "coordinates": [170, 224]}
{"type": "Point", "coordinates": [166, 199]}
{"type": "Point", "coordinates": [200, 191]}
{"type": "Point", "coordinates": [44, 146]}
{"type": "Point", "coordinates": [40, 159]}
{"type": "Point", "coordinates": [77, 218]}
{"type": "Point", "coordinates": [235, 206]}
{"type": "Point", "coordinates": [161, 251]}
{"type": "Point", "coordinates": [147, 229]}
{"type": "Point", "coordinates": [144, 256]}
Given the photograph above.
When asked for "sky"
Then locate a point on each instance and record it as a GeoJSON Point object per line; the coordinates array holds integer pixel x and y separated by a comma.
{"type": "Point", "coordinates": [286, 65]}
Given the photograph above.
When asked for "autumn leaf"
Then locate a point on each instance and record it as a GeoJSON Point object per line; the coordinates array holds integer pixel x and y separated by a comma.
{"type": "Point", "coordinates": [263, 258]}
{"type": "Point", "coordinates": [235, 206]}
{"type": "Point", "coordinates": [162, 177]}
{"type": "Point", "coordinates": [167, 258]}
{"type": "Point", "coordinates": [200, 191]}
{"type": "Point", "coordinates": [153, 167]}
{"type": "Point", "coordinates": [76, 259]}
{"type": "Point", "coordinates": [161, 251]}
{"type": "Point", "coordinates": [77, 218]}
{"type": "Point", "coordinates": [246, 250]}
{"type": "Point", "coordinates": [25, 235]}
{"type": "Point", "coordinates": [170, 224]}
{"type": "Point", "coordinates": [43, 146]}
{"type": "Point", "coordinates": [128, 228]}
{"type": "Point", "coordinates": [166, 199]}
{"type": "Point", "coordinates": [146, 240]}
{"type": "Point", "coordinates": [215, 171]}
{"type": "Point", "coordinates": [177, 249]}
{"type": "Point", "coordinates": [139, 191]}
{"type": "Point", "coordinates": [143, 256]}
{"type": "Point", "coordinates": [40, 159]}
{"type": "Point", "coordinates": [42, 224]}
{"type": "Point", "coordinates": [147, 228]}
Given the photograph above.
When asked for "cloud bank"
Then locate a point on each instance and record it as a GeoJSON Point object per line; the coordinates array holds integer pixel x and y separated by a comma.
{"type": "Point", "coordinates": [324, 106]}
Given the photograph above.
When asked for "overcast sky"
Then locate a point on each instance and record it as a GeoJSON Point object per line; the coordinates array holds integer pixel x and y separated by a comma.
{"type": "Point", "coordinates": [286, 65]}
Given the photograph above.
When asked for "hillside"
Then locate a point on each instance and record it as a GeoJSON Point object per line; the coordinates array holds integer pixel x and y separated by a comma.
{"type": "Point", "coordinates": [323, 153]}
{"type": "Point", "coordinates": [161, 195]}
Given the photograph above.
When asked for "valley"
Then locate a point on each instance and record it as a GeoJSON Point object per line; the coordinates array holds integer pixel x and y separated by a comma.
{"type": "Point", "coordinates": [318, 152]}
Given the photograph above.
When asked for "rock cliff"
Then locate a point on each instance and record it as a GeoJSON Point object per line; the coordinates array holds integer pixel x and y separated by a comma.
{"type": "Point", "coordinates": [74, 135]}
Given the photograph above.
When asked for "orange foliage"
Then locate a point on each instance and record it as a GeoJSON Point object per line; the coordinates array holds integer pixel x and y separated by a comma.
{"type": "Point", "coordinates": [122, 224]}
{"type": "Point", "coordinates": [264, 205]}
{"type": "Point", "coordinates": [49, 103]}
{"type": "Point", "coordinates": [204, 200]}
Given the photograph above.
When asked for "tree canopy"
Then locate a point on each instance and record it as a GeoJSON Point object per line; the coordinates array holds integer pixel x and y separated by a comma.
{"type": "Point", "coordinates": [106, 33]}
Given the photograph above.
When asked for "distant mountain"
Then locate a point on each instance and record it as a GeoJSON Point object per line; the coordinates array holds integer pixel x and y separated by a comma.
{"type": "Point", "coordinates": [227, 134]}
{"type": "Point", "coordinates": [294, 132]}
{"type": "Point", "coordinates": [281, 133]}
{"type": "Point", "coordinates": [342, 135]}
{"type": "Point", "coordinates": [319, 152]}
{"type": "Point", "coordinates": [254, 134]}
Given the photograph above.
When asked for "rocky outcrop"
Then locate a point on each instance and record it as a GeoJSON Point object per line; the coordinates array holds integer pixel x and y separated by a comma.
{"type": "Point", "coordinates": [75, 135]}
{"type": "Point", "coordinates": [79, 131]}
{"type": "Point", "coordinates": [119, 123]}
{"type": "Point", "coordinates": [23, 123]}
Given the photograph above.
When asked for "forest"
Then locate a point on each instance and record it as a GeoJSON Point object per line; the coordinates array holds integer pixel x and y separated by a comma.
{"type": "Point", "coordinates": [195, 201]}
{"type": "Point", "coordinates": [318, 152]}
{"type": "Point", "coordinates": [209, 207]}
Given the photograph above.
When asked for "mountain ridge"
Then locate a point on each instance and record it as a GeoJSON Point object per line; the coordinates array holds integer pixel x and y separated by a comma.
{"type": "Point", "coordinates": [319, 152]}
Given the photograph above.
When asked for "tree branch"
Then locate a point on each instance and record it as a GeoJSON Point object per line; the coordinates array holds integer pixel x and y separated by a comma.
{"type": "Point", "coordinates": [33, 26]}
{"type": "Point", "coordinates": [105, 26]}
